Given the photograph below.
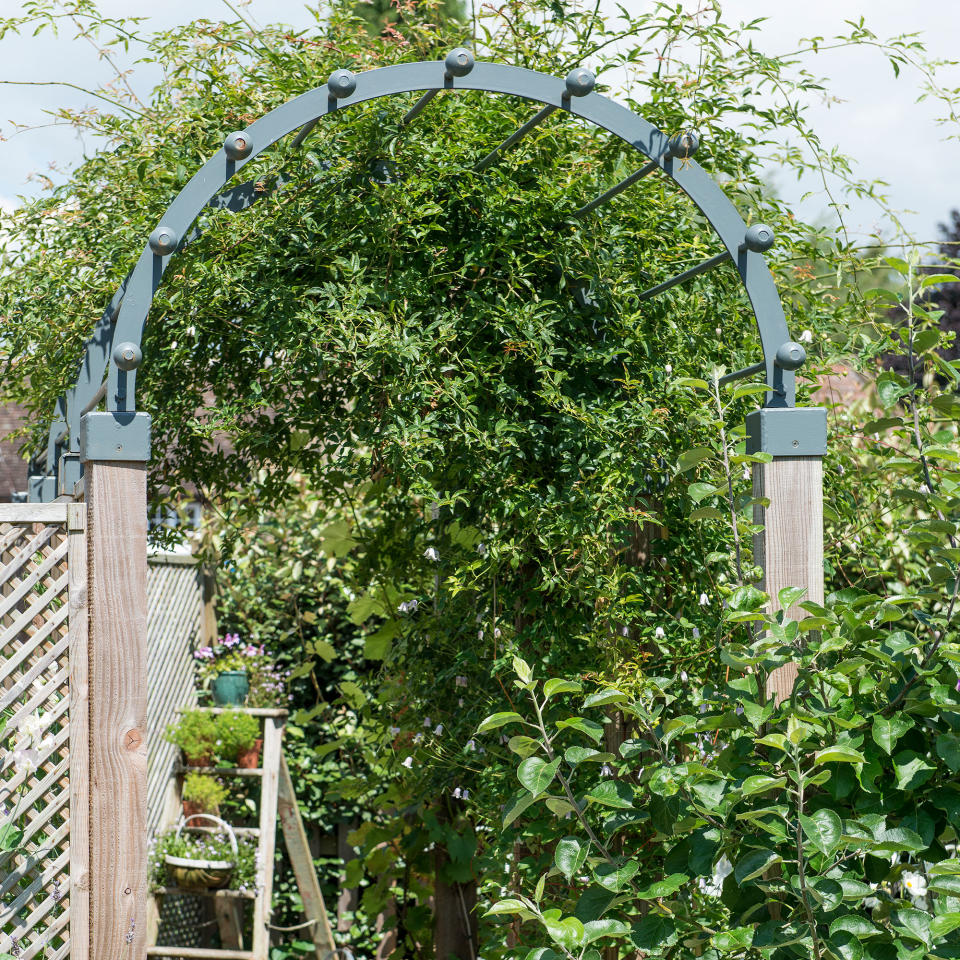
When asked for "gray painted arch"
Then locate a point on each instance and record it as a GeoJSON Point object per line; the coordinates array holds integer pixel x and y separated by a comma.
{"type": "Point", "coordinates": [125, 318]}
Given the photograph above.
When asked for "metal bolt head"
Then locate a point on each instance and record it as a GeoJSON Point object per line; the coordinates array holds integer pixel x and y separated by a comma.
{"type": "Point", "coordinates": [683, 145]}
{"type": "Point", "coordinates": [459, 62]}
{"type": "Point", "coordinates": [580, 82]}
{"type": "Point", "coordinates": [127, 355]}
{"type": "Point", "coordinates": [759, 238]}
{"type": "Point", "coordinates": [342, 83]}
{"type": "Point", "coordinates": [238, 145]}
{"type": "Point", "coordinates": [790, 355]}
{"type": "Point", "coordinates": [163, 241]}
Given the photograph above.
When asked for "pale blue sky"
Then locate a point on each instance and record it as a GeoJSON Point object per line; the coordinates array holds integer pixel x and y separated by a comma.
{"type": "Point", "coordinates": [873, 116]}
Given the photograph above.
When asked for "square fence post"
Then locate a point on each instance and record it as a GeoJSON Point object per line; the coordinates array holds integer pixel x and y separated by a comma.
{"type": "Point", "coordinates": [789, 548]}
{"type": "Point", "coordinates": [115, 450]}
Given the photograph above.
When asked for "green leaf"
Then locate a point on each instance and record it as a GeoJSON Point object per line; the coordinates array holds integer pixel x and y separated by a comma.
{"type": "Point", "coordinates": [823, 829]}
{"type": "Point", "coordinates": [498, 720]}
{"type": "Point", "coordinates": [948, 749]}
{"type": "Point", "coordinates": [942, 925]}
{"type": "Point", "coordinates": [698, 491]}
{"type": "Point", "coordinates": [654, 933]}
{"type": "Point", "coordinates": [788, 596]}
{"type": "Point", "coordinates": [522, 669]}
{"type": "Point", "coordinates": [914, 923]}
{"type": "Point", "coordinates": [613, 876]}
{"type": "Point", "coordinates": [887, 731]}
{"type": "Point", "coordinates": [855, 924]}
{"type": "Point", "coordinates": [739, 938]}
{"type": "Point", "coordinates": [523, 746]}
{"type": "Point", "coordinates": [575, 755]}
{"type": "Point", "coordinates": [950, 886]}
{"type": "Point", "coordinates": [516, 807]}
{"type": "Point", "coordinates": [608, 927]}
{"type": "Point", "coordinates": [761, 784]}
{"type": "Point", "coordinates": [536, 774]}
{"type": "Point", "coordinates": [353, 694]}
{"type": "Point", "coordinates": [604, 697]}
{"type": "Point", "coordinates": [754, 863]}
{"type": "Point", "coordinates": [10, 836]}
{"type": "Point", "coordinates": [846, 946]}
{"type": "Point", "coordinates": [911, 769]}
{"type": "Point", "coordinates": [570, 855]}
{"type": "Point", "coordinates": [508, 906]}
{"type": "Point", "coordinates": [568, 933]}
{"type": "Point", "coordinates": [560, 686]}
{"type": "Point", "coordinates": [612, 793]}
{"type": "Point", "coordinates": [591, 728]}
{"type": "Point", "coordinates": [662, 888]}
{"type": "Point", "coordinates": [690, 458]}
{"type": "Point", "coordinates": [934, 278]}
{"type": "Point", "coordinates": [839, 754]}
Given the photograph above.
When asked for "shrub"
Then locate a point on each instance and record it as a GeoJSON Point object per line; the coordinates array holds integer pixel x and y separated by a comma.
{"type": "Point", "coordinates": [195, 733]}
{"type": "Point", "coordinates": [237, 732]}
{"type": "Point", "coordinates": [204, 791]}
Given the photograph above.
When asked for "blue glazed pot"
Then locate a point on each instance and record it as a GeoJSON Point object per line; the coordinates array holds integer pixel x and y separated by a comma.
{"type": "Point", "coordinates": [230, 688]}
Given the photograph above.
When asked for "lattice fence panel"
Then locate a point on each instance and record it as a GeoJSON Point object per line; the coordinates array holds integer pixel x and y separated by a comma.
{"type": "Point", "coordinates": [35, 708]}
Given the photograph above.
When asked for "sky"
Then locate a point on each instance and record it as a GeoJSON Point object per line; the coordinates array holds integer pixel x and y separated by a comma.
{"type": "Point", "coordinates": [870, 114]}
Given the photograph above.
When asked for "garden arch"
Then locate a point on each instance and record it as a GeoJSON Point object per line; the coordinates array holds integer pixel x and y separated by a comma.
{"type": "Point", "coordinates": [109, 448]}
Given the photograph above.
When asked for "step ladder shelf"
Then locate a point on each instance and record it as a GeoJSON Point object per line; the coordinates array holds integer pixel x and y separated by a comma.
{"type": "Point", "coordinates": [216, 894]}
{"type": "Point", "coordinates": [277, 801]}
{"type": "Point", "coordinates": [275, 712]}
{"type": "Point", "coordinates": [189, 953]}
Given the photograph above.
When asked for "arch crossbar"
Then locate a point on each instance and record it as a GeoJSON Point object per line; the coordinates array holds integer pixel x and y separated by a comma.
{"type": "Point", "coordinates": [114, 347]}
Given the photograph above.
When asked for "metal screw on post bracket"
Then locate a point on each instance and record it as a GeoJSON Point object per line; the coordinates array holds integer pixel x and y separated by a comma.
{"type": "Point", "coordinates": [682, 146]}
{"type": "Point", "coordinates": [759, 238]}
{"type": "Point", "coordinates": [790, 355]}
{"type": "Point", "coordinates": [238, 146]}
{"type": "Point", "coordinates": [342, 83]}
{"type": "Point", "coordinates": [580, 82]}
{"type": "Point", "coordinates": [163, 241]}
{"type": "Point", "coordinates": [127, 355]}
{"type": "Point", "coordinates": [459, 62]}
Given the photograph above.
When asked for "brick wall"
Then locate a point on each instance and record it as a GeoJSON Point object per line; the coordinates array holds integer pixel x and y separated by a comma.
{"type": "Point", "coordinates": [13, 470]}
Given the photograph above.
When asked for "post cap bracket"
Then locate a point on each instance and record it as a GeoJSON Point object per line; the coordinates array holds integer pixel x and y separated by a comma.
{"type": "Point", "coordinates": [788, 431]}
{"type": "Point", "coordinates": [115, 435]}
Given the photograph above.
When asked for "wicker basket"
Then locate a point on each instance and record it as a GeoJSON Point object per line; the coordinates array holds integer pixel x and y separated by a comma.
{"type": "Point", "coordinates": [195, 874]}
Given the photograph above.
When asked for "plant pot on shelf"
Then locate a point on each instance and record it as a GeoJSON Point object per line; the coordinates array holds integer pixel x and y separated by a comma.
{"type": "Point", "coordinates": [250, 759]}
{"type": "Point", "coordinates": [198, 874]}
{"type": "Point", "coordinates": [193, 809]}
{"type": "Point", "coordinates": [204, 761]}
{"type": "Point", "coordinates": [230, 688]}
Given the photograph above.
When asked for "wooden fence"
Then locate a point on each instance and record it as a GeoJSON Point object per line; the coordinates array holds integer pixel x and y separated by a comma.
{"type": "Point", "coordinates": [44, 813]}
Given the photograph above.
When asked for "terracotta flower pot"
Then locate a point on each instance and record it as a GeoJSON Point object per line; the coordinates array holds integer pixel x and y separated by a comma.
{"type": "Point", "coordinates": [191, 809]}
{"type": "Point", "coordinates": [206, 761]}
{"type": "Point", "coordinates": [250, 760]}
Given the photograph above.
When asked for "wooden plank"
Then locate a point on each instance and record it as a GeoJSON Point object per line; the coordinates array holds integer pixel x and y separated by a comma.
{"type": "Point", "coordinates": [117, 560]}
{"type": "Point", "coordinates": [269, 789]}
{"type": "Point", "coordinates": [275, 712]}
{"type": "Point", "coordinates": [229, 923]}
{"type": "Point", "coordinates": [55, 512]}
{"type": "Point", "coordinates": [213, 894]}
{"type": "Point", "coordinates": [79, 660]}
{"type": "Point", "coordinates": [199, 953]}
{"type": "Point", "coordinates": [303, 870]}
{"type": "Point", "coordinates": [790, 546]}
{"type": "Point", "coordinates": [349, 897]}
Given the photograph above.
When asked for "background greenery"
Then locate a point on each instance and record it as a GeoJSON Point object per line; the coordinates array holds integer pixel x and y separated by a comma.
{"type": "Point", "coordinates": [456, 438]}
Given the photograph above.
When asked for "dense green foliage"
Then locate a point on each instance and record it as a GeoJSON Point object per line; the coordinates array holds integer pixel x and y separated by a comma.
{"type": "Point", "coordinates": [457, 438]}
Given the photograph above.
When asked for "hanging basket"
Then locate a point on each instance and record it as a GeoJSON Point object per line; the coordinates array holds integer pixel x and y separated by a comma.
{"type": "Point", "coordinates": [198, 874]}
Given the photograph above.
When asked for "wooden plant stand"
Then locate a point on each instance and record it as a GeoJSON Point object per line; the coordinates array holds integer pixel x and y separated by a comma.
{"type": "Point", "coordinates": [277, 798]}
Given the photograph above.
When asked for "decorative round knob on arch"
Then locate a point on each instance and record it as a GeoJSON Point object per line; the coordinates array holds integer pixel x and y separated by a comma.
{"type": "Point", "coordinates": [759, 238]}
{"type": "Point", "coordinates": [127, 356]}
{"type": "Point", "coordinates": [790, 355]}
{"type": "Point", "coordinates": [342, 83]}
{"type": "Point", "coordinates": [683, 145]}
{"type": "Point", "coordinates": [164, 240]}
{"type": "Point", "coordinates": [580, 82]}
{"type": "Point", "coordinates": [238, 146]}
{"type": "Point", "coordinates": [459, 62]}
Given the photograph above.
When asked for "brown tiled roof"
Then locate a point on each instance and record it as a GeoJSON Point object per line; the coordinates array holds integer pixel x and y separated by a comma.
{"type": "Point", "coordinates": [13, 470]}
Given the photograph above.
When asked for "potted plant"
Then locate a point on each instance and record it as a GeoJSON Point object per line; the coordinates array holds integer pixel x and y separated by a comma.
{"type": "Point", "coordinates": [238, 673]}
{"type": "Point", "coordinates": [195, 733]}
{"type": "Point", "coordinates": [201, 862]}
{"type": "Point", "coordinates": [202, 794]}
{"type": "Point", "coordinates": [238, 738]}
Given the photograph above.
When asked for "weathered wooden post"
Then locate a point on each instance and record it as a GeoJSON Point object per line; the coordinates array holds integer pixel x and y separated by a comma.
{"type": "Point", "coordinates": [115, 448]}
{"type": "Point", "coordinates": [789, 548]}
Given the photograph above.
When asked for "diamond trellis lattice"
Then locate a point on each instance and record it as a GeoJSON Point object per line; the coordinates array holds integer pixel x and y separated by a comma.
{"type": "Point", "coordinates": [35, 740]}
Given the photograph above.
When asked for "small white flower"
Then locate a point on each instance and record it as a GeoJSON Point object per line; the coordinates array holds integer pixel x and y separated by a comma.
{"type": "Point", "coordinates": [914, 884]}
{"type": "Point", "coordinates": [431, 554]}
{"type": "Point", "coordinates": [659, 633]}
{"type": "Point", "coordinates": [480, 634]}
{"type": "Point", "coordinates": [459, 701]}
{"type": "Point", "coordinates": [806, 336]}
{"type": "Point", "coordinates": [438, 729]}
{"type": "Point", "coordinates": [496, 633]}
{"type": "Point", "coordinates": [418, 738]}
{"type": "Point", "coordinates": [746, 471]}
{"type": "Point", "coordinates": [394, 731]}
{"type": "Point", "coordinates": [470, 746]}
{"type": "Point", "coordinates": [460, 681]}
{"type": "Point", "coordinates": [482, 549]}
{"type": "Point", "coordinates": [696, 633]}
{"type": "Point", "coordinates": [457, 793]}
{"type": "Point", "coordinates": [408, 763]}
{"type": "Point", "coordinates": [683, 676]}
{"type": "Point", "coordinates": [427, 722]}
{"type": "Point", "coordinates": [606, 770]}
{"type": "Point", "coordinates": [713, 886]}
{"type": "Point", "coordinates": [719, 331]}
{"type": "Point", "coordinates": [668, 369]}
{"type": "Point", "coordinates": [466, 794]}
{"type": "Point", "coordinates": [704, 600]}
{"type": "Point", "coordinates": [25, 760]}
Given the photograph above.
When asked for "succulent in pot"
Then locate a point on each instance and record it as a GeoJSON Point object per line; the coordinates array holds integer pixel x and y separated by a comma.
{"type": "Point", "coordinates": [202, 794]}
{"type": "Point", "coordinates": [195, 733]}
{"type": "Point", "coordinates": [238, 738]}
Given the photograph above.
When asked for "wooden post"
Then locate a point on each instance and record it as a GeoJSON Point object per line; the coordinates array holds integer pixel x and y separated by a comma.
{"type": "Point", "coordinates": [790, 546]}
{"type": "Point", "coordinates": [269, 789]}
{"type": "Point", "coordinates": [79, 734]}
{"type": "Point", "coordinates": [116, 492]}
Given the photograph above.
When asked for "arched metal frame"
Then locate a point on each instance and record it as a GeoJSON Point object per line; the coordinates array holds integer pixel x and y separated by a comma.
{"type": "Point", "coordinates": [117, 336]}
